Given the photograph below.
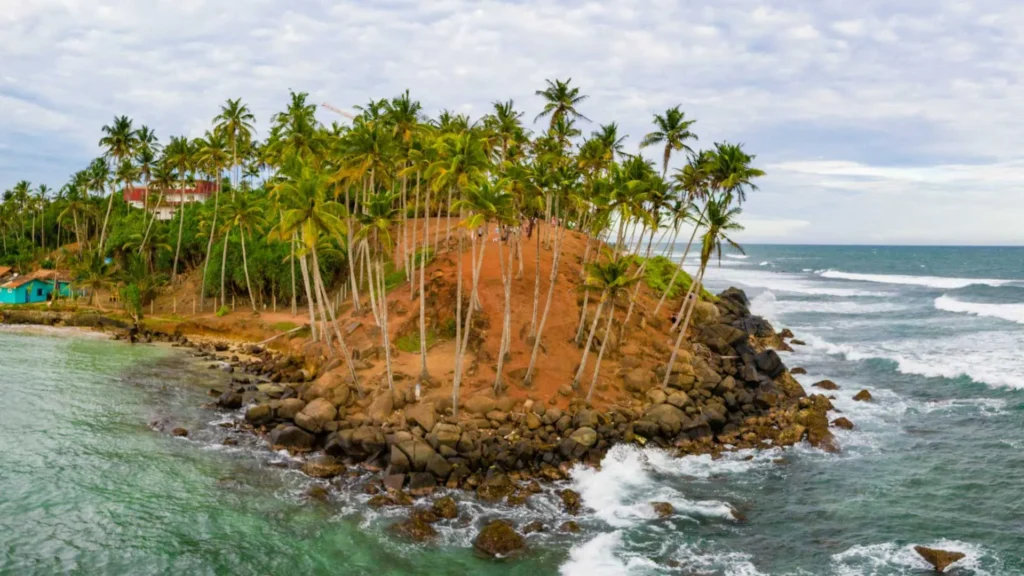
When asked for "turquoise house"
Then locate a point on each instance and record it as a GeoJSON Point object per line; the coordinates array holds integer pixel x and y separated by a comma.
{"type": "Point", "coordinates": [32, 288]}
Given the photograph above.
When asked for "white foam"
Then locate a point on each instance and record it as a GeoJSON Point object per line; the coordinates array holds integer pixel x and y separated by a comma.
{"type": "Point", "coordinates": [1011, 312]}
{"type": "Point", "coordinates": [621, 491]}
{"type": "Point", "coordinates": [767, 304]}
{"type": "Point", "coordinates": [876, 558]}
{"type": "Point", "coordinates": [929, 281]}
{"type": "Point", "coordinates": [694, 559]}
{"type": "Point", "coordinates": [597, 557]}
{"type": "Point", "coordinates": [737, 256]}
{"type": "Point", "coordinates": [988, 357]}
{"type": "Point", "coordinates": [784, 282]}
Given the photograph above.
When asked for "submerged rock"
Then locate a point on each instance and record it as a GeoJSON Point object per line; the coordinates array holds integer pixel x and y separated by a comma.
{"type": "Point", "coordinates": [535, 526]}
{"type": "Point", "coordinates": [663, 509]}
{"type": "Point", "coordinates": [826, 385]}
{"type": "Point", "coordinates": [843, 423]}
{"type": "Point", "coordinates": [415, 529]}
{"type": "Point", "coordinates": [445, 508]}
{"type": "Point", "coordinates": [499, 540]}
{"type": "Point", "coordinates": [940, 559]}
{"type": "Point", "coordinates": [571, 501]}
{"type": "Point", "coordinates": [291, 437]}
{"type": "Point", "coordinates": [179, 432]}
{"type": "Point", "coordinates": [863, 396]}
{"type": "Point", "coordinates": [323, 467]}
{"type": "Point", "coordinates": [569, 527]}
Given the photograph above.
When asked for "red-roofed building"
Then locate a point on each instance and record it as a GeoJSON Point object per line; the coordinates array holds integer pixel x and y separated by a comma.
{"type": "Point", "coordinates": [173, 197]}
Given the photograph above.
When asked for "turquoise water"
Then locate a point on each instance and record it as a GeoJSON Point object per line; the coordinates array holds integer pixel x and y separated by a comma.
{"type": "Point", "coordinates": [92, 483]}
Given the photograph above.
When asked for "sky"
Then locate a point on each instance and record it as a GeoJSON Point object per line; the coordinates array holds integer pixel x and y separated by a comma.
{"type": "Point", "coordinates": [877, 122]}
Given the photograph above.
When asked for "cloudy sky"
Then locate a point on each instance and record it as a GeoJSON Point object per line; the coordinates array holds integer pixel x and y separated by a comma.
{"type": "Point", "coordinates": [877, 121]}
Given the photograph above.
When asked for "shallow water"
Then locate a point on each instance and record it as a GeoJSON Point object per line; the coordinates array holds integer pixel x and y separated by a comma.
{"type": "Point", "coordinates": [93, 484]}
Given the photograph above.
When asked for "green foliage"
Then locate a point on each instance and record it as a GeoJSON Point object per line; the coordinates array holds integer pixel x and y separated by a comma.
{"type": "Point", "coordinates": [448, 329]}
{"type": "Point", "coordinates": [284, 326]}
{"type": "Point", "coordinates": [131, 297]}
{"type": "Point", "coordinates": [411, 341]}
{"type": "Point", "coordinates": [659, 272]}
{"type": "Point", "coordinates": [223, 311]}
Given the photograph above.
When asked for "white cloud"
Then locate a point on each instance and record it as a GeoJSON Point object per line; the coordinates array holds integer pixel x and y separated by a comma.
{"type": "Point", "coordinates": [852, 98]}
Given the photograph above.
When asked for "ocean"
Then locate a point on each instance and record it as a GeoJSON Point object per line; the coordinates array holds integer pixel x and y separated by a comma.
{"type": "Point", "coordinates": [90, 484]}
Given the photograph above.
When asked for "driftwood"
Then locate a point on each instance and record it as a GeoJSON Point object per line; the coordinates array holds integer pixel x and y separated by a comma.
{"type": "Point", "coordinates": [272, 338]}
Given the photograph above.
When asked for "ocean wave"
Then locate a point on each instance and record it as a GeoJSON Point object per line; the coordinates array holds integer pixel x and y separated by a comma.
{"type": "Point", "coordinates": [598, 557]}
{"type": "Point", "coordinates": [880, 558]}
{"type": "Point", "coordinates": [1011, 312]}
{"type": "Point", "coordinates": [737, 256]}
{"type": "Point", "coordinates": [622, 490]}
{"type": "Point", "coordinates": [991, 358]}
{"type": "Point", "coordinates": [768, 305]}
{"type": "Point", "coordinates": [928, 281]}
{"type": "Point", "coordinates": [783, 282]}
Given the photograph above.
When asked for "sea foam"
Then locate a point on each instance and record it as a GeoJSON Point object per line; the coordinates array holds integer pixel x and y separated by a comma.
{"type": "Point", "coordinates": [1011, 312]}
{"type": "Point", "coordinates": [882, 558]}
{"type": "Point", "coordinates": [928, 281]}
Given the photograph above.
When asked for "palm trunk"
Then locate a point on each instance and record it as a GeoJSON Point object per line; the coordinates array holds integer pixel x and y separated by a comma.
{"type": "Point", "coordinates": [78, 235]}
{"type": "Point", "coordinates": [346, 354]}
{"type": "Point", "coordinates": [506, 279]}
{"type": "Point", "coordinates": [209, 247]}
{"type": "Point", "coordinates": [295, 297]}
{"type": "Point", "coordinates": [384, 322]}
{"type": "Point", "coordinates": [223, 269]}
{"type": "Point", "coordinates": [636, 290]}
{"type": "Point", "coordinates": [559, 238]}
{"type": "Point", "coordinates": [245, 267]}
{"type": "Point", "coordinates": [351, 255]}
{"type": "Point", "coordinates": [309, 298]}
{"type": "Point", "coordinates": [456, 380]}
{"type": "Point", "coordinates": [412, 238]}
{"type": "Point", "coordinates": [375, 296]}
{"type": "Point", "coordinates": [600, 353]}
{"type": "Point", "coordinates": [424, 374]}
{"type": "Point", "coordinates": [320, 306]}
{"type": "Point", "coordinates": [149, 227]}
{"type": "Point", "coordinates": [590, 340]}
{"type": "Point", "coordinates": [181, 228]}
{"type": "Point", "coordinates": [682, 261]}
{"type": "Point", "coordinates": [103, 232]}
{"type": "Point", "coordinates": [536, 289]}
{"type": "Point", "coordinates": [448, 234]}
{"type": "Point", "coordinates": [682, 333]}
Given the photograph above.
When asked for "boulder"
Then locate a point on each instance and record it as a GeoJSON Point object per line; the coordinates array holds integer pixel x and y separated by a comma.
{"type": "Point", "coordinates": [259, 414]}
{"type": "Point", "coordinates": [826, 385]}
{"type": "Point", "coordinates": [663, 509]}
{"type": "Point", "coordinates": [315, 416]}
{"type": "Point", "coordinates": [415, 529]}
{"type": "Point", "coordinates": [422, 414]}
{"type": "Point", "coordinates": [638, 380]}
{"type": "Point", "coordinates": [479, 405]}
{"type": "Point", "coordinates": [863, 396]}
{"type": "Point", "coordinates": [668, 418]}
{"type": "Point", "coordinates": [578, 442]}
{"type": "Point", "coordinates": [843, 423]}
{"type": "Point", "coordinates": [679, 400]}
{"type": "Point", "coordinates": [381, 407]}
{"type": "Point", "coordinates": [499, 540]}
{"type": "Point", "coordinates": [939, 559]}
{"type": "Point", "coordinates": [230, 400]}
{"type": "Point", "coordinates": [288, 408]}
{"type": "Point", "coordinates": [180, 432]}
{"type": "Point", "coordinates": [445, 508]}
{"type": "Point", "coordinates": [495, 488]}
{"type": "Point", "coordinates": [291, 437]}
{"type": "Point", "coordinates": [571, 501]}
{"type": "Point", "coordinates": [570, 527]}
{"type": "Point", "coordinates": [421, 484]}
{"type": "Point", "coordinates": [704, 313]}
{"type": "Point", "coordinates": [331, 387]}
{"type": "Point", "coordinates": [323, 467]}
{"type": "Point", "coordinates": [535, 526]}
{"type": "Point", "coordinates": [769, 363]}
{"type": "Point", "coordinates": [798, 370]}
{"type": "Point", "coordinates": [418, 453]}
{"type": "Point", "coordinates": [446, 434]}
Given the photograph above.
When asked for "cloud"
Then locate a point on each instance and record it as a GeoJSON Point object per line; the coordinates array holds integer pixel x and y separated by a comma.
{"type": "Point", "coordinates": [840, 100]}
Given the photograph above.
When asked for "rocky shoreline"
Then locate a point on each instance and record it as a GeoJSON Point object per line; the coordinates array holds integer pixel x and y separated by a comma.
{"type": "Point", "coordinates": [729, 391]}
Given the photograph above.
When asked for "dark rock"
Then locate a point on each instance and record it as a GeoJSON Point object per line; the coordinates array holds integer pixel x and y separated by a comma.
{"type": "Point", "coordinates": [826, 385]}
{"type": "Point", "coordinates": [663, 509]}
{"type": "Point", "coordinates": [797, 342]}
{"type": "Point", "coordinates": [495, 488]}
{"type": "Point", "coordinates": [445, 508]}
{"type": "Point", "coordinates": [230, 400]}
{"type": "Point", "coordinates": [499, 540]}
{"type": "Point", "coordinates": [259, 414]}
{"type": "Point", "coordinates": [394, 481]}
{"type": "Point", "coordinates": [317, 493]}
{"type": "Point", "coordinates": [323, 467]}
{"type": "Point", "coordinates": [535, 526]}
{"type": "Point", "coordinates": [415, 529]}
{"type": "Point", "coordinates": [769, 363]}
{"type": "Point", "coordinates": [843, 423]}
{"type": "Point", "coordinates": [939, 559]}
{"type": "Point", "coordinates": [571, 501]}
{"type": "Point", "coordinates": [569, 527]}
{"type": "Point", "coordinates": [422, 484]}
{"type": "Point", "coordinates": [863, 396]}
{"type": "Point", "coordinates": [291, 437]}
{"type": "Point", "coordinates": [797, 371]}
{"type": "Point", "coordinates": [179, 432]}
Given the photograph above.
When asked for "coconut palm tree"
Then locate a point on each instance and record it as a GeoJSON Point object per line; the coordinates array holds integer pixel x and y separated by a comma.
{"type": "Point", "coordinates": [721, 219]}
{"type": "Point", "coordinates": [179, 153]}
{"type": "Point", "coordinates": [561, 101]}
{"type": "Point", "coordinates": [672, 129]}
{"type": "Point", "coordinates": [235, 124]}
{"type": "Point", "coordinates": [378, 216]}
{"type": "Point", "coordinates": [212, 153]}
{"type": "Point", "coordinates": [245, 215]}
{"type": "Point", "coordinates": [610, 279]}
{"type": "Point", "coordinates": [120, 141]}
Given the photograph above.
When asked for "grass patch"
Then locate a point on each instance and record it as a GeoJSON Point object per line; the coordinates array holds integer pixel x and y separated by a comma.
{"type": "Point", "coordinates": [658, 274]}
{"type": "Point", "coordinates": [284, 326]}
{"type": "Point", "coordinates": [411, 341]}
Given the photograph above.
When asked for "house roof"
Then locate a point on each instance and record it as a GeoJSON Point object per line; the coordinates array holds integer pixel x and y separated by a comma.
{"type": "Point", "coordinates": [138, 193]}
{"type": "Point", "coordinates": [41, 275]}
{"type": "Point", "coordinates": [4, 271]}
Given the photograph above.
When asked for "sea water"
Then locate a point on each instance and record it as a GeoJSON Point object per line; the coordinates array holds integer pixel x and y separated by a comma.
{"type": "Point", "coordinates": [92, 483]}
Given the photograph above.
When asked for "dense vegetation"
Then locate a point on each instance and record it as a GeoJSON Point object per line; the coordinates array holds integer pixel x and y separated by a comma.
{"type": "Point", "coordinates": [319, 213]}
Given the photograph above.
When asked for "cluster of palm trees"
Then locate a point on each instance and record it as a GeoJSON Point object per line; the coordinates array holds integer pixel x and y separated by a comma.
{"type": "Point", "coordinates": [355, 210]}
